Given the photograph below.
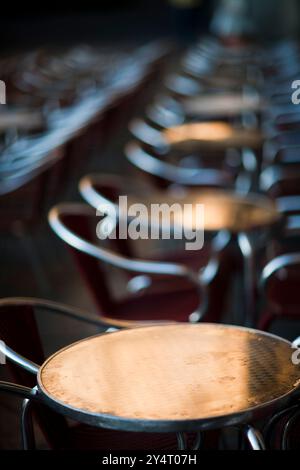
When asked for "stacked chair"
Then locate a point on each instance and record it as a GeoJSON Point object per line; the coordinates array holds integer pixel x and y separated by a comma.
{"type": "Point", "coordinates": [221, 123]}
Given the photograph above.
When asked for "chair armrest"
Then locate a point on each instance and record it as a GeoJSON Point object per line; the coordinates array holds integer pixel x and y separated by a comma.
{"type": "Point", "coordinates": [276, 174]}
{"type": "Point", "coordinates": [53, 307]}
{"type": "Point", "coordinates": [280, 262]}
{"type": "Point", "coordinates": [95, 198]}
{"type": "Point", "coordinates": [113, 259]}
{"type": "Point", "coordinates": [219, 243]}
{"type": "Point", "coordinates": [104, 254]}
{"type": "Point", "coordinates": [147, 134]}
{"type": "Point", "coordinates": [56, 308]}
{"type": "Point", "coordinates": [173, 173]}
{"type": "Point", "coordinates": [183, 85]}
{"type": "Point", "coordinates": [288, 155]}
{"type": "Point", "coordinates": [19, 390]}
{"type": "Point", "coordinates": [268, 177]}
{"type": "Point", "coordinates": [165, 116]}
{"type": "Point", "coordinates": [18, 359]}
{"type": "Point", "coordinates": [288, 204]}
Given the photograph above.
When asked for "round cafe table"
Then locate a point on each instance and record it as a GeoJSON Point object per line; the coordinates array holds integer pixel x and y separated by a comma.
{"type": "Point", "coordinates": [223, 211]}
{"type": "Point", "coordinates": [169, 112]}
{"type": "Point", "coordinates": [215, 135]}
{"type": "Point", "coordinates": [224, 104]}
{"type": "Point", "coordinates": [211, 136]}
{"type": "Point", "coordinates": [172, 378]}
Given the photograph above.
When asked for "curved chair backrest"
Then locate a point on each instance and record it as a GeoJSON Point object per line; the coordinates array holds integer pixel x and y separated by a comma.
{"type": "Point", "coordinates": [285, 155]}
{"type": "Point", "coordinates": [280, 180]}
{"type": "Point", "coordinates": [166, 112]}
{"type": "Point", "coordinates": [181, 85]}
{"type": "Point", "coordinates": [68, 221]}
{"type": "Point", "coordinates": [279, 282]}
{"type": "Point", "coordinates": [105, 190]}
{"type": "Point", "coordinates": [165, 173]}
{"type": "Point", "coordinates": [83, 223]}
{"type": "Point", "coordinates": [101, 191]}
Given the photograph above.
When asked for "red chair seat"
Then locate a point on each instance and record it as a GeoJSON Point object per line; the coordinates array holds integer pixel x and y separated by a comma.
{"type": "Point", "coordinates": [175, 299]}
{"type": "Point", "coordinates": [165, 306]}
{"type": "Point", "coordinates": [195, 260]}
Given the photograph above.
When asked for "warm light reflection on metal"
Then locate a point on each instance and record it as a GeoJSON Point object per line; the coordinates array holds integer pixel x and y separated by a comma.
{"type": "Point", "coordinates": [198, 131]}
{"type": "Point", "coordinates": [222, 209]}
{"type": "Point", "coordinates": [212, 134]}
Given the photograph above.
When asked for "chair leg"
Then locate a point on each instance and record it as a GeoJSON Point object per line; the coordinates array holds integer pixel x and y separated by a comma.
{"type": "Point", "coordinates": [270, 426]}
{"type": "Point", "coordinates": [181, 441]}
{"type": "Point", "coordinates": [197, 442]}
{"type": "Point", "coordinates": [286, 432]}
{"type": "Point", "coordinates": [254, 437]}
{"type": "Point", "coordinates": [27, 432]}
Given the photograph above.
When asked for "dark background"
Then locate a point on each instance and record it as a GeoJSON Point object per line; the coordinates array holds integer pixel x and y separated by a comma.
{"type": "Point", "coordinates": [31, 7]}
{"type": "Point", "coordinates": [28, 23]}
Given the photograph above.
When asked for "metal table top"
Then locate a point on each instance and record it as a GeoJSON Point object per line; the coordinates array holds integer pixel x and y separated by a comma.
{"type": "Point", "coordinates": [170, 378]}
{"type": "Point", "coordinates": [230, 104]}
{"type": "Point", "coordinates": [215, 135]}
{"type": "Point", "coordinates": [223, 210]}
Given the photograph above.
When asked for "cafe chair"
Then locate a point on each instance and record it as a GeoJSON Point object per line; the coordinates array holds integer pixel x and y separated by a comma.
{"type": "Point", "coordinates": [178, 85]}
{"type": "Point", "coordinates": [282, 147]}
{"type": "Point", "coordinates": [202, 135]}
{"type": "Point", "coordinates": [282, 118]}
{"type": "Point", "coordinates": [281, 432]}
{"type": "Point", "coordinates": [104, 189]}
{"type": "Point", "coordinates": [274, 154]}
{"type": "Point", "coordinates": [164, 173]}
{"type": "Point", "coordinates": [237, 157]}
{"type": "Point", "coordinates": [26, 428]}
{"type": "Point", "coordinates": [282, 183]}
{"type": "Point", "coordinates": [279, 288]}
{"type": "Point", "coordinates": [24, 351]}
{"type": "Point", "coordinates": [167, 111]}
{"type": "Point", "coordinates": [177, 292]}
{"type": "Point", "coordinates": [281, 180]}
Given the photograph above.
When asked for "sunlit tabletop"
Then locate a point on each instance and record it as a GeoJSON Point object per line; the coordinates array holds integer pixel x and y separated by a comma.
{"type": "Point", "coordinates": [171, 377]}
{"type": "Point", "coordinates": [222, 210]}
{"type": "Point", "coordinates": [215, 135]}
